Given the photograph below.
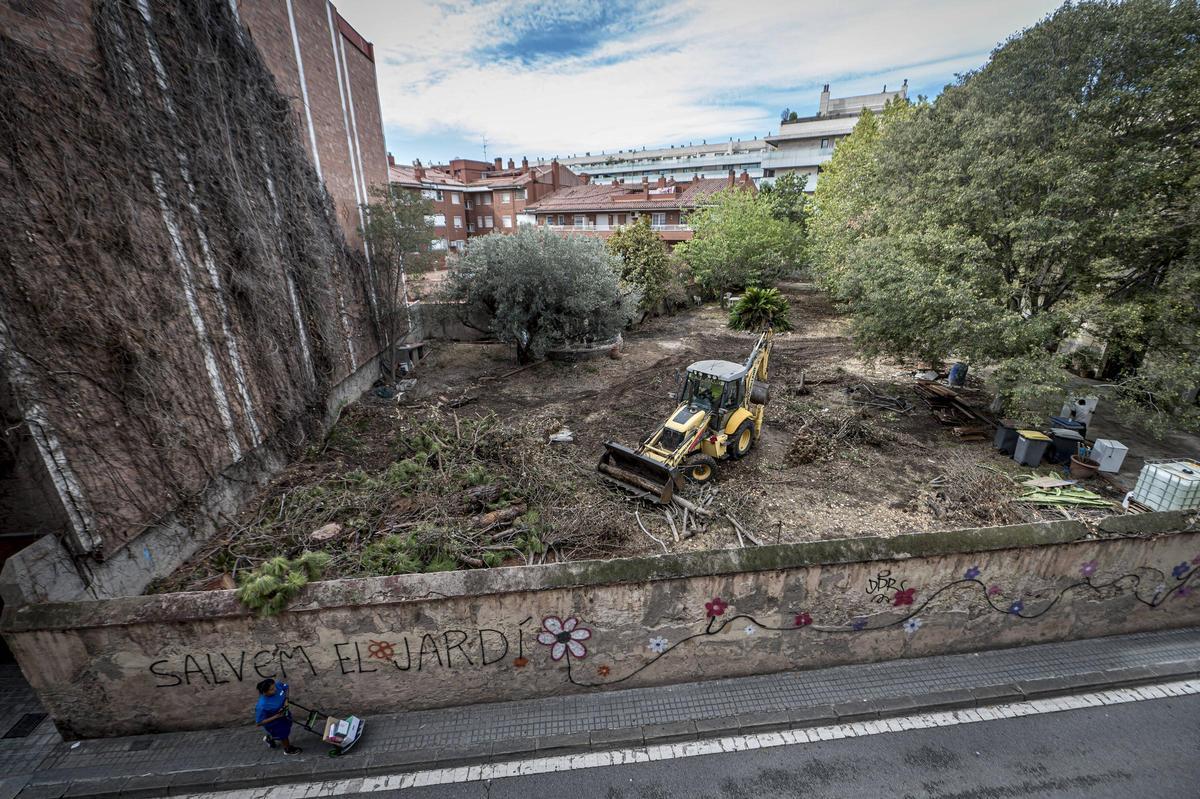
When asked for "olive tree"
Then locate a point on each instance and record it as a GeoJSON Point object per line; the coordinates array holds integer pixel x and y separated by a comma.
{"type": "Point", "coordinates": [540, 290]}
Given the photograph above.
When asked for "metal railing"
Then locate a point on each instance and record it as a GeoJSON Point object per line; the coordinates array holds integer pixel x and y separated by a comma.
{"type": "Point", "coordinates": [591, 227]}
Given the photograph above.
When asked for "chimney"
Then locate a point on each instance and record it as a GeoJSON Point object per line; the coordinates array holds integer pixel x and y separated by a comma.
{"type": "Point", "coordinates": [745, 176]}
{"type": "Point", "coordinates": [614, 183]}
{"type": "Point", "coordinates": [418, 169]}
{"type": "Point", "coordinates": [499, 162]}
{"type": "Point", "coordinates": [554, 174]}
{"type": "Point", "coordinates": [645, 188]}
{"type": "Point", "coordinates": [904, 89]}
{"type": "Point", "coordinates": [729, 181]}
{"type": "Point", "coordinates": [391, 160]}
{"type": "Point", "coordinates": [585, 178]}
{"type": "Point", "coordinates": [662, 182]}
{"type": "Point", "coordinates": [524, 164]}
{"type": "Point", "coordinates": [511, 165]}
{"type": "Point", "coordinates": [824, 109]}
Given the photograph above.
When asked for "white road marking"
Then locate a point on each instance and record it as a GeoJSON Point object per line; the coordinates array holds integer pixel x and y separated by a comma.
{"type": "Point", "coordinates": [733, 743]}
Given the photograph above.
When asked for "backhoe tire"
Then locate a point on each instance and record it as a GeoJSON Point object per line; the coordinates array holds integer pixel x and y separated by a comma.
{"type": "Point", "coordinates": [699, 469]}
{"type": "Point", "coordinates": [742, 440]}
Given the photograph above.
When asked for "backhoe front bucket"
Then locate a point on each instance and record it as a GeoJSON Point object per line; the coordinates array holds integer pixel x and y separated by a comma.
{"type": "Point", "coordinates": [638, 473]}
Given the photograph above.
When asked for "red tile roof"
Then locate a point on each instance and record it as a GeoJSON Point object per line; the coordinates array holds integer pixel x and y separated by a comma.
{"type": "Point", "coordinates": [628, 197]}
{"type": "Point", "coordinates": [407, 176]}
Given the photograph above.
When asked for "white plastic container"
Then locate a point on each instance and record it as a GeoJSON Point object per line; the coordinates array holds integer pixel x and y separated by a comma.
{"type": "Point", "coordinates": [1110, 454]}
{"type": "Point", "coordinates": [1172, 485]}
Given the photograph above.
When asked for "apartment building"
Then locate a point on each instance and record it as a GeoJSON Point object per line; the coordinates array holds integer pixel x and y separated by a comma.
{"type": "Point", "coordinates": [599, 209]}
{"type": "Point", "coordinates": [802, 145]}
{"type": "Point", "coordinates": [474, 198]}
{"type": "Point", "coordinates": [805, 143]}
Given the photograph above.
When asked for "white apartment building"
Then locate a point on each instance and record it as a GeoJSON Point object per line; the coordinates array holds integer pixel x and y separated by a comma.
{"type": "Point", "coordinates": [802, 145]}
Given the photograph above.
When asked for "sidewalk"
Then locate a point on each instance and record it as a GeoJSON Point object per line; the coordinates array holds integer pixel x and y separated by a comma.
{"type": "Point", "coordinates": [41, 765]}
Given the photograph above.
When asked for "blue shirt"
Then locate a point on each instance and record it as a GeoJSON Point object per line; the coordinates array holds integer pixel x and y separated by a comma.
{"type": "Point", "coordinates": [270, 705]}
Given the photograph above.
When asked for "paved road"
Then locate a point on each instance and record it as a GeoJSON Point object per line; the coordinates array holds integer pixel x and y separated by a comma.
{"type": "Point", "coordinates": [1146, 748]}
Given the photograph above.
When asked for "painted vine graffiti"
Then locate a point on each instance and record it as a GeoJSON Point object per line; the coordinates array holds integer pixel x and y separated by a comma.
{"type": "Point", "coordinates": [883, 589]}
{"type": "Point", "coordinates": [567, 640]}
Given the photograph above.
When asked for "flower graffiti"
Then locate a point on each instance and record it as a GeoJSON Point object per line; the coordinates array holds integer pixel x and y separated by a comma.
{"type": "Point", "coordinates": [1180, 570]}
{"type": "Point", "coordinates": [912, 625]}
{"type": "Point", "coordinates": [995, 590]}
{"type": "Point", "coordinates": [858, 624]}
{"type": "Point", "coordinates": [1184, 591]}
{"type": "Point", "coordinates": [904, 597]}
{"type": "Point", "coordinates": [603, 671]}
{"type": "Point", "coordinates": [1089, 568]}
{"type": "Point", "coordinates": [563, 637]}
{"type": "Point", "coordinates": [382, 650]}
{"type": "Point", "coordinates": [716, 607]}
{"type": "Point", "coordinates": [971, 573]}
{"type": "Point", "coordinates": [1016, 607]}
{"type": "Point", "coordinates": [803, 619]}
{"type": "Point", "coordinates": [749, 630]}
{"type": "Point", "coordinates": [657, 645]}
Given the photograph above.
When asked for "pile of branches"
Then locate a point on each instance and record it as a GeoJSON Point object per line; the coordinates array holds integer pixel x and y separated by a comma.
{"type": "Point", "coordinates": [823, 434]}
{"type": "Point", "coordinates": [970, 493]}
{"type": "Point", "coordinates": [460, 492]}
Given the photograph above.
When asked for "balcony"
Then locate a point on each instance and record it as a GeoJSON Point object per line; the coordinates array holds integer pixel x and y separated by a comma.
{"type": "Point", "coordinates": [666, 232]}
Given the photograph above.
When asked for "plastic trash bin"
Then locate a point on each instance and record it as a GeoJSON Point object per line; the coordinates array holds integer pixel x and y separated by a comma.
{"type": "Point", "coordinates": [1031, 447]}
{"type": "Point", "coordinates": [1066, 423]}
{"type": "Point", "coordinates": [1066, 444]}
{"type": "Point", "coordinates": [1006, 437]}
{"type": "Point", "coordinates": [1110, 454]}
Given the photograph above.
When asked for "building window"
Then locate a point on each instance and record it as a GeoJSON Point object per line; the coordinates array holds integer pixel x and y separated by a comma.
{"type": "Point", "coordinates": [437, 220]}
{"type": "Point", "coordinates": [505, 197]}
{"type": "Point", "coordinates": [658, 218]}
{"type": "Point", "coordinates": [485, 199]}
{"type": "Point", "coordinates": [519, 194]}
{"type": "Point", "coordinates": [580, 220]}
{"type": "Point", "coordinates": [458, 244]}
{"type": "Point", "coordinates": [469, 206]}
{"type": "Point", "coordinates": [454, 198]}
{"type": "Point", "coordinates": [470, 228]}
{"type": "Point", "coordinates": [487, 221]}
{"type": "Point", "coordinates": [439, 244]}
{"type": "Point", "coordinates": [507, 221]}
{"type": "Point", "coordinates": [458, 221]}
{"type": "Point", "coordinates": [824, 143]}
{"type": "Point", "coordinates": [562, 220]}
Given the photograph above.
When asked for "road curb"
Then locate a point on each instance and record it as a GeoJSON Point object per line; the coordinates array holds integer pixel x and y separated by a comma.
{"type": "Point", "coordinates": [369, 764]}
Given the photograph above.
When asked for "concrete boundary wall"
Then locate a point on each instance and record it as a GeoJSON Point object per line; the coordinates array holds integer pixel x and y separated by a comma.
{"type": "Point", "coordinates": [186, 661]}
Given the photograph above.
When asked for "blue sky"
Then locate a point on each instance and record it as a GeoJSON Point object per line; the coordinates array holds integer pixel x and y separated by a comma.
{"type": "Point", "coordinates": [540, 79]}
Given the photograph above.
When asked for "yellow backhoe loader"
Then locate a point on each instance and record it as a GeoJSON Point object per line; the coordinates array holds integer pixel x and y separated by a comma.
{"type": "Point", "coordinates": [719, 415]}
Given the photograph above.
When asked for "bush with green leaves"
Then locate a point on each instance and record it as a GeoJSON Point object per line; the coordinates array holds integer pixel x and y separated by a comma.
{"type": "Point", "coordinates": [540, 290]}
{"type": "Point", "coordinates": [645, 264]}
{"type": "Point", "coordinates": [738, 241]}
{"type": "Point", "coordinates": [270, 587]}
{"type": "Point", "coordinates": [759, 309]}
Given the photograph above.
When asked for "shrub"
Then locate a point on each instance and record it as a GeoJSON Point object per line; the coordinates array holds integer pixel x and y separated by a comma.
{"type": "Point", "coordinates": [759, 309]}
{"type": "Point", "coordinates": [645, 264]}
{"type": "Point", "coordinates": [540, 290]}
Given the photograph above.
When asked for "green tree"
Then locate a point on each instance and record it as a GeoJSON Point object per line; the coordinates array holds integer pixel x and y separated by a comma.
{"type": "Point", "coordinates": [645, 264]}
{"type": "Point", "coordinates": [1053, 190]}
{"type": "Point", "coordinates": [540, 290]}
{"type": "Point", "coordinates": [738, 242]}
{"type": "Point", "coordinates": [788, 199]}
{"type": "Point", "coordinates": [399, 236]}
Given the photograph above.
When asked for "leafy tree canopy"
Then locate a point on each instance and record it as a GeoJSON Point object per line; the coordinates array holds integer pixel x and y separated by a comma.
{"type": "Point", "coordinates": [738, 241]}
{"type": "Point", "coordinates": [540, 289]}
{"type": "Point", "coordinates": [1054, 190]}
{"type": "Point", "coordinates": [645, 264]}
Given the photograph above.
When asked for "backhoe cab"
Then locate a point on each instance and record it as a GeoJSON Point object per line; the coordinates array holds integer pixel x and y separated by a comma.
{"type": "Point", "coordinates": [719, 415]}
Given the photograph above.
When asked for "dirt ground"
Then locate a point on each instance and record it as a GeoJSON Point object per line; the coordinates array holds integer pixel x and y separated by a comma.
{"type": "Point", "coordinates": [824, 467]}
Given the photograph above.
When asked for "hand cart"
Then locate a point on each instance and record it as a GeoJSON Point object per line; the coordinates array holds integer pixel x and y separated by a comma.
{"type": "Point", "coordinates": [341, 733]}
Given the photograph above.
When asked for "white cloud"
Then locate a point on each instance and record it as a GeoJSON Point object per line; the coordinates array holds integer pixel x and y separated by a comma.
{"type": "Point", "coordinates": [691, 70]}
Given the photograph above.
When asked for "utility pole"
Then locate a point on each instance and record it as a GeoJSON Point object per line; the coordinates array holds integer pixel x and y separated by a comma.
{"type": "Point", "coordinates": [485, 148]}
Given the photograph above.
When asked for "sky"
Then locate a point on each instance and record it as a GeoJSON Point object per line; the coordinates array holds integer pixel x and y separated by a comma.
{"type": "Point", "coordinates": [554, 79]}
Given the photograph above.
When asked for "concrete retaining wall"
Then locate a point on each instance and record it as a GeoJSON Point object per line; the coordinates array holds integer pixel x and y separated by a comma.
{"type": "Point", "coordinates": [183, 661]}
